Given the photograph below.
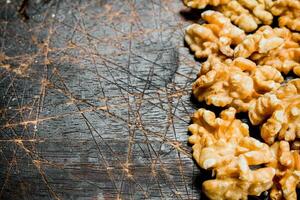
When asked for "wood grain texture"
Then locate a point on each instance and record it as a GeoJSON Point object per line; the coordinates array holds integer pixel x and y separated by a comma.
{"type": "Point", "coordinates": [95, 100]}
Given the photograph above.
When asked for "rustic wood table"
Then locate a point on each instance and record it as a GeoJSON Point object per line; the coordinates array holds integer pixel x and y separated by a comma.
{"type": "Point", "coordinates": [95, 100]}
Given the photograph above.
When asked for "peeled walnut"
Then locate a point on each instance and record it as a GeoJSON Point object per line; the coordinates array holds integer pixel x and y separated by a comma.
{"type": "Point", "coordinates": [280, 6]}
{"type": "Point", "coordinates": [287, 165]}
{"type": "Point", "coordinates": [262, 41]}
{"type": "Point", "coordinates": [237, 188]}
{"type": "Point", "coordinates": [290, 19]}
{"type": "Point", "coordinates": [207, 129]}
{"type": "Point", "coordinates": [247, 14]}
{"type": "Point", "coordinates": [281, 109]}
{"type": "Point", "coordinates": [284, 60]}
{"type": "Point", "coordinates": [278, 47]}
{"type": "Point", "coordinates": [288, 12]}
{"type": "Point", "coordinates": [239, 16]}
{"type": "Point", "coordinates": [203, 3]}
{"type": "Point", "coordinates": [234, 83]}
{"type": "Point", "coordinates": [223, 145]}
{"type": "Point", "coordinates": [224, 155]}
{"type": "Point", "coordinates": [215, 37]}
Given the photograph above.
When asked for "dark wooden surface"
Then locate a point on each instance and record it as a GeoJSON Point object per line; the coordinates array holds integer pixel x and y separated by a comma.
{"type": "Point", "coordinates": [95, 100]}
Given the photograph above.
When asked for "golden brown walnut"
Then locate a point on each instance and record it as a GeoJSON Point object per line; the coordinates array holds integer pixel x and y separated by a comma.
{"type": "Point", "coordinates": [217, 36]}
{"type": "Point", "coordinates": [223, 145]}
{"type": "Point", "coordinates": [234, 83]}
{"type": "Point", "coordinates": [280, 6]}
{"type": "Point", "coordinates": [260, 180]}
{"type": "Point", "coordinates": [284, 60]}
{"type": "Point", "coordinates": [287, 165]}
{"type": "Point", "coordinates": [281, 111]}
{"type": "Point", "coordinates": [247, 14]}
{"type": "Point", "coordinates": [277, 47]}
{"type": "Point", "coordinates": [206, 129]}
{"type": "Point", "coordinates": [203, 3]}
{"type": "Point", "coordinates": [290, 19]}
{"type": "Point", "coordinates": [288, 12]}
{"type": "Point", "coordinates": [262, 41]}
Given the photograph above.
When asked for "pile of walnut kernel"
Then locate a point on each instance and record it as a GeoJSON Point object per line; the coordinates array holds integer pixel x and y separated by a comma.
{"type": "Point", "coordinates": [244, 72]}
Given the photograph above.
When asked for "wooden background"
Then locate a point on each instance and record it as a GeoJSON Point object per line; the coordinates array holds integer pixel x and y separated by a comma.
{"type": "Point", "coordinates": [95, 100]}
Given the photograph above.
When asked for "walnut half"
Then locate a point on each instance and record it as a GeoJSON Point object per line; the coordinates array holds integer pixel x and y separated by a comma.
{"type": "Point", "coordinates": [288, 12]}
{"type": "Point", "coordinates": [276, 47]}
{"type": "Point", "coordinates": [281, 110]}
{"type": "Point", "coordinates": [217, 36]}
{"type": "Point", "coordinates": [247, 14]}
{"type": "Point", "coordinates": [234, 83]}
{"type": "Point", "coordinates": [287, 165]}
{"type": "Point", "coordinates": [223, 145]}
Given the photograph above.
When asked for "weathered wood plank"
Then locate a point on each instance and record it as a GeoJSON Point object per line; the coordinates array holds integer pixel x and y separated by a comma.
{"type": "Point", "coordinates": [102, 109]}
